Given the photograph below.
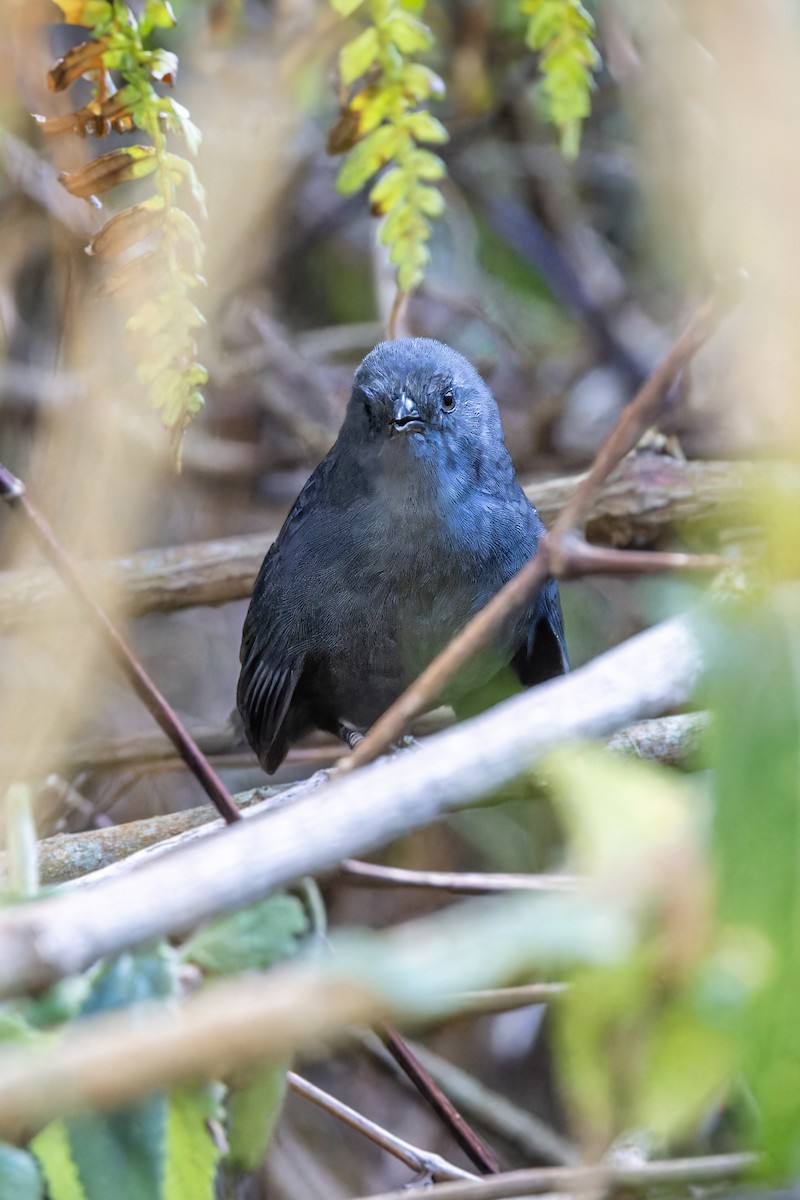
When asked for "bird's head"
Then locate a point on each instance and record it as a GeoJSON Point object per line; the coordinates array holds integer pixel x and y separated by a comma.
{"type": "Point", "coordinates": [422, 397]}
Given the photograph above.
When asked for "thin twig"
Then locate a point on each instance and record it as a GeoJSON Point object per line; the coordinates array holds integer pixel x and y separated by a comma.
{"type": "Point", "coordinates": [490, 1109]}
{"type": "Point", "coordinates": [497, 1000]}
{"type": "Point", "coordinates": [539, 1180]}
{"type": "Point", "coordinates": [549, 560]}
{"type": "Point", "coordinates": [431, 1166]}
{"type": "Point", "coordinates": [465, 883]}
{"type": "Point", "coordinates": [467, 1139]}
{"type": "Point", "coordinates": [13, 491]}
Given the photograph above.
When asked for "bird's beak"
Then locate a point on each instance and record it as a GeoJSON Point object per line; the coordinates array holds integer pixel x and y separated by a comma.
{"type": "Point", "coordinates": [406, 417]}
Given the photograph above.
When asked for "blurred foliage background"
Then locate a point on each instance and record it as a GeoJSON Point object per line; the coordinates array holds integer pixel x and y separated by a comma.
{"type": "Point", "coordinates": [563, 277]}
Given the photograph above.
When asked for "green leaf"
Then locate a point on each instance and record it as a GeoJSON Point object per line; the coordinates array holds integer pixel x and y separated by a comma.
{"type": "Point", "coordinates": [120, 1154]}
{"type": "Point", "coordinates": [688, 1065]}
{"type": "Point", "coordinates": [424, 127]}
{"type": "Point", "coordinates": [51, 1148]}
{"type": "Point", "coordinates": [621, 812]}
{"type": "Point", "coordinates": [754, 690]}
{"type": "Point", "coordinates": [15, 1026]}
{"type": "Point", "coordinates": [157, 14]}
{"type": "Point", "coordinates": [252, 939]}
{"type": "Point", "coordinates": [192, 1153]}
{"type": "Point", "coordinates": [356, 58]}
{"type": "Point", "coordinates": [424, 164]}
{"type": "Point", "coordinates": [130, 978]}
{"type": "Point", "coordinates": [429, 200]}
{"type": "Point", "coordinates": [388, 190]}
{"type": "Point", "coordinates": [20, 1178]}
{"type": "Point", "coordinates": [406, 33]}
{"type": "Point", "coordinates": [366, 157]}
{"type": "Point", "coordinates": [253, 1113]}
{"type": "Point", "coordinates": [420, 82]}
{"type": "Point", "coordinates": [346, 7]}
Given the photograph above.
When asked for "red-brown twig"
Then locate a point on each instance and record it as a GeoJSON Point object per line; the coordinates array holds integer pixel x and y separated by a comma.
{"type": "Point", "coordinates": [561, 550]}
{"type": "Point", "coordinates": [13, 491]}
{"type": "Point", "coordinates": [467, 1139]}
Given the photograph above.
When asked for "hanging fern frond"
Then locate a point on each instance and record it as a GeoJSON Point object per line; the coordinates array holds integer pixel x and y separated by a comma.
{"type": "Point", "coordinates": [153, 250]}
{"type": "Point", "coordinates": [562, 32]}
{"type": "Point", "coordinates": [384, 126]}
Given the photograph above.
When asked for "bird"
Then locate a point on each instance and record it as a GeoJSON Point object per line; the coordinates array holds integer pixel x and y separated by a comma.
{"type": "Point", "coordinates": [408, 526]}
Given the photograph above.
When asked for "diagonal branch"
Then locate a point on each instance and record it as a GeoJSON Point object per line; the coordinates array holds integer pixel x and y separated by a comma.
{"type": "Point", "coordinates": [424, 1162]}
{"type": "Point", "coordinates": [12, 490]}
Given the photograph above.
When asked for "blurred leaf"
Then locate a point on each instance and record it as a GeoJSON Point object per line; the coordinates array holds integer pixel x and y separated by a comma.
{"type": "Point", "coordinates": [158, 1149]}
{"type": "Point", "coordinates": [754, 689]}
{"type": "Point", "coordinates": [638, 1042]}
{"type": "Point", "coordinates": [562, 32]}
{"type": "Point", "coordinates": [131, 978]}
{"type": "Point", "coordinates": [380, 125]}
{"type": "Point", "coordinates": [622, 816]}
{"type": "Point", "coordinates": [22, 845]}
{"type": "Point", "coordinates": [409, 35]}
{"type": "Point", "coordinates": [84, 12]}
{"type": "Point", "coordinates": [346, 7]}
{"type": "Point", "coordinates": [425, 127]}
{"type": "Point", "coordinates": [51, 1148]}
{"type": "Point", "coordinates": [192, 1152]}
{"type": "Point", "coordinates": [19, 1175]}
{"type": "Point", "coordinates": [119, 1154]}
{"type": "Point", "coordinates": [253, 1112]}
{"type": "Point", "coordinates": [366, 157]}
{"type": "Point", "coordinates": [358, 56]}
{"type": "Point", "coordinates": [157, 14]}
{"type": "Point", "coordinates": [252, 939]}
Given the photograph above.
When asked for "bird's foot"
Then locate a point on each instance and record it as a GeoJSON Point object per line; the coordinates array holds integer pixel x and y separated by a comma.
{"type": "Point", "coordinates": [351, 736]}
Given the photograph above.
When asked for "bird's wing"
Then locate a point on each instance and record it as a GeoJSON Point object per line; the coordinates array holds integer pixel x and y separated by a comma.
{"type": "Point", "coordinates": [273, 645]}
{"type": "Point", "coordinates": [265, 691]}
{"type": "Point", "coordinates": [543, 653]}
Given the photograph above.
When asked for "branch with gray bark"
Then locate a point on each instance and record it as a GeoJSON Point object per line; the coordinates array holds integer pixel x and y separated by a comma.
{"type": "Point", "coordinates": [674, 740]}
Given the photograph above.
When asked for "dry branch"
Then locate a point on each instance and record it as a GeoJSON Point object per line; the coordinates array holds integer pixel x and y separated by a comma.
{"type": "Point", "coordinates": [590, 1180]}
{"type": "Point", "coordinates": [650, 493]}
{"type": "Point", "coordinates": [651, 673]}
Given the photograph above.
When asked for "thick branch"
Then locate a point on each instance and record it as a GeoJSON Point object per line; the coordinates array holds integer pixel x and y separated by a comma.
{"type": "Point", "coordinates": [65, 856]}
{"type": "Point", "coordinates": [647, 495]}
{"type": "Point", "coordinates": [40, 942]}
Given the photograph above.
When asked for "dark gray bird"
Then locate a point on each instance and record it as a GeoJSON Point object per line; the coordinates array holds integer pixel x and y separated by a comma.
{"type": "Point", "coordinates": [408, 526]}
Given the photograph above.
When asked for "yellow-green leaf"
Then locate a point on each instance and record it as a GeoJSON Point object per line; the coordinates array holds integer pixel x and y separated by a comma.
{"type": "Point", "coordinates": [358, 56]}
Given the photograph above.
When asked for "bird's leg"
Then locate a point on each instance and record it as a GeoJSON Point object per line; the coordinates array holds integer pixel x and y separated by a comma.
{"type": "Point", "coordinates": [351, 736]}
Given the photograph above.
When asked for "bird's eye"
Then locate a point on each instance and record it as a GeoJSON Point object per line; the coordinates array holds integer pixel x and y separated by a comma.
{"type": "Point", "coordinates": [448, 400]}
